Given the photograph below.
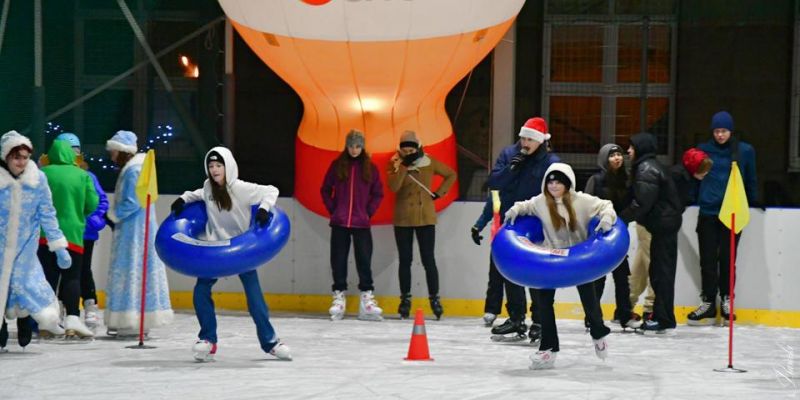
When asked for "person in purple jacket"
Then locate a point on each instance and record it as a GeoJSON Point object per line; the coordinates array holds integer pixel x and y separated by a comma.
{"type": "Point", "coordinates": [94, 224]}
{"type": "Point", "coordinates": [352, 191]}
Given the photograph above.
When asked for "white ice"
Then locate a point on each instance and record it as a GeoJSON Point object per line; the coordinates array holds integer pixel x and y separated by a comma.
{"type": "Point", "coordinates": [352, 359]}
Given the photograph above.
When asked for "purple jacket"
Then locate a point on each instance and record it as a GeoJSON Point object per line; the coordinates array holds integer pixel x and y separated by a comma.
{"type": "Point", "coordinates": [351, 202]}
{"type": "Point", "coordinates": [96, 221]}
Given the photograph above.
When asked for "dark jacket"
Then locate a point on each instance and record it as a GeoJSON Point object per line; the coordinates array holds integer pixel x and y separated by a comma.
{"type": "Point", "coordinates": [686, 184]}
{"type": "Point", "coordinates": [712, 187]}
{"type": "Point", "coordinates": [656, 204]}
{"type": "Point", "coordinates": [352, 201]}
{"type": "Point", "coordinates": [525, 181]}
{"type": "Point", "coordinates": [609, 185]}
{"type": "Point", "coordinates": [486, 214]}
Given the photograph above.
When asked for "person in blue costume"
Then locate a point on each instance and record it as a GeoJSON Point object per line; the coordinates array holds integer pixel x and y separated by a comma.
{"type": "Point", "coordinates": [26, 208]}
{"type": "Point", "coordinates": [229, 201]}
{"type": "Point", "coordinates": [124, 287]}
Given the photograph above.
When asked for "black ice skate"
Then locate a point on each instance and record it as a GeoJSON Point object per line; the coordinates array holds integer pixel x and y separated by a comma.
{"type": "Point", "coordinates": [510, 331]}
{"type": "Point", "coordinates": [535, 333]}
{"type": "Point", "coordinates": [436, 306]}
{"type": "Point", "coordinates": [405, 305]}
{"type": "Point", "coordinates": [705, 314]}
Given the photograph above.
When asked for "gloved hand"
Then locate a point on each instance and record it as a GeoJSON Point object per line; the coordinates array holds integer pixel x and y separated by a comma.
{"type": "Point", "coordinates": [263, 216]}
{"type": "Point", "coordinates": [63, 259]}
{"type": "Point", "coordinates": [517, 160]}
{"type": "Point", "coordinates": [476, 236]}
{"type": "Point", "coordinates": [511, 215]}
{"type": "Point", "coordinates": [109, 222]}
{"type": "Point", "coordinates": [435, 195]}
{"type": "Point", "coordinates": [177, 206]}
{"type": "Point", "coordinates": [409, 159]}
{"type": "Point", "coordinates": [604, 226]}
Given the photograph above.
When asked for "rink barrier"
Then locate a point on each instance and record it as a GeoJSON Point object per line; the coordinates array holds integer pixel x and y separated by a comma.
{"type": "Point", "coordinates": [319, 304]}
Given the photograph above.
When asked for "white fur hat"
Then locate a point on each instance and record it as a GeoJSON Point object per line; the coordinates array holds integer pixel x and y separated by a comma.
{"type": "Point", "coordinates": [10, 140]}
{"type": "Point", "coordinates": [124, 141]}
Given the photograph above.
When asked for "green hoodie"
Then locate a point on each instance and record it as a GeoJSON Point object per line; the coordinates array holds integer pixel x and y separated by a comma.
{"type": "Point", "coordinates": [74, 196]}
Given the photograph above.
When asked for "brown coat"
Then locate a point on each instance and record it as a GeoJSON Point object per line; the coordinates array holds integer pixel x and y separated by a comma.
{"type": "Point", "coordinates": [413, 205]}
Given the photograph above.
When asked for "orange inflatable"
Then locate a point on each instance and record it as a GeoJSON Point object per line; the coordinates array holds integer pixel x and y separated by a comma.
{"type": "Point", "coordinates": [380, 66]}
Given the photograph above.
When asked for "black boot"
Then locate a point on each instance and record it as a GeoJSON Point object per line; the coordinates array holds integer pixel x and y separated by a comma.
{"type": "Point", "coordinates": [512, 330]}
{"type": "Point", "coordinates": [4, 334]}
{"type": "Point", "coordinates": [535, 333]}
{"type": "Point", "coordinates": [24, 331]}
{"type": "Point", "coordinates": [405, 305]}
{"type": "Point", "coordinates": [436, 306]}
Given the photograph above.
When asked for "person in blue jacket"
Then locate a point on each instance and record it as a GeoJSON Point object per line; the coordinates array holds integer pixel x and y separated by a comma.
{"type": "Point", "coordinates": [712, 236]}
{"type": "Point", "coordinates": [518, 174]}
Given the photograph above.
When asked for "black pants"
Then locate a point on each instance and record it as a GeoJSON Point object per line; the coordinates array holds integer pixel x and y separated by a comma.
{"type": "Point", "coordinates": [516, 301]}
{"type": "Point", "coordinates": [494, 290]}
{"type": "Point", "coordinates": [591, 307]}
{"type": "Point", "coordinates": [714, 241]}
{"type": "Point", "coordinates": [87, 280]}
{"type": "Point", "coordinates": [340, 249]}
{"type": "Point", "coordinates": [70, 291]}
{"type": "Point", "coordinates": [622, 290]}
{"type": "Point", "coordinates": [663, 264]}
{"type": "Point", "coordinates": [426, 239]}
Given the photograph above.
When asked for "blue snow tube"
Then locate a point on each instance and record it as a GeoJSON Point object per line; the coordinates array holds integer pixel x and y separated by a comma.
{"type": "Point", "coordinates": [522, 261]}
{"type": "Point", "coordinates": [179, 248]}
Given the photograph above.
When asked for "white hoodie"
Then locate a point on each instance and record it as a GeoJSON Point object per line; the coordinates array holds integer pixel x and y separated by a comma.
{"type": "Point", "coordinates": [586, 207]}
{"type": "Point", "coordinates": [222, 224]}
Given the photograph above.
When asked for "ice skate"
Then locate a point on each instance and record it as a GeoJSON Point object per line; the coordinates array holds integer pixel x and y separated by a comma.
{"type": "Point", "coordinates": [90, 314]}
{"type": "Point", "coordinates": [634, 323]}
{"type": "Point", "coordinates": [405, 305]}
{"type": "Point", "coordinates": [338, 306]}
{"type": "Point", "coordinates": [203, 350]}
{"type": "Point", "coordinates": [535, 333]}
{"type": "Point", "coordinates": [703, 315]}
{"type": "Point", "coordinates": [652, 327]}
{"type": "Point", "coordinates": [368, 309]}
{"type": "Point", "coordinates": [24, 331]}
{"type": "Point", "coordinates": [50, 331]}
{"type": "Point", "coordinates": [510, 331]}
{"type": "Point", "coordinates": [436, 306]}
{"type": "Point", "coordinates": [600, 348]}
{"type": "Point", "coordinates": [488, 319]}
{"type": "Point", "coordinates": [281, 351]}
{"type": "Point", "coordinates": [75, 329]}
{"type": "Point", "coordinates": [725, 311]}
{"type": "Point", "coordinates": [3, 336]}
{"type": "Point", "coordinates": [544, 359]}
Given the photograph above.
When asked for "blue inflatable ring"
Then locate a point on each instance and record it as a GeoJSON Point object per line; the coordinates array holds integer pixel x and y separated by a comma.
{"type": "Point", "coordinates": [177, 244]}
{"type": "Point", "coordinates": [522, 261]}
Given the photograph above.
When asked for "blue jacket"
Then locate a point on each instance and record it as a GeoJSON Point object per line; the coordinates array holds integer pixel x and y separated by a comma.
{"type": "Point", "coordinates": [486, 214]}
{"type": "Point", "coordinates": [96, 221]}
{"type": "Point", "coordinates": [524, 182]}
{"type": "Point", "coordinates": [712, 187]}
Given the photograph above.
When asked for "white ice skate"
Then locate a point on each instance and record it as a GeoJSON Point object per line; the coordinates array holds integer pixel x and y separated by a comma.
{"type": "Point", "coordinates": [90, 313]}
{"type": "Point", "coordinates": [544, 359]}
{"type": "Point", "coordinates": [488, 319]}
{"type": "Point", "coordinates": [282, 352]}
{"type": "Point", "coordinates": [75, 329]}
{"type": "Point", "coordinates": [203, 350]}
{"type": "Point", "coordinates": [50, 331]}
{"type": "Point", "coordinates": [368, 310]}
{"type": "Point", "coordinates": [338, 305]}
{"type": "Point", "coordinates": [600, 348]}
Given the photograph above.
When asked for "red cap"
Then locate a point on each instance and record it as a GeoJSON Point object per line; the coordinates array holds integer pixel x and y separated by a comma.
{"type": "Point", "coordinates": [692, 159]}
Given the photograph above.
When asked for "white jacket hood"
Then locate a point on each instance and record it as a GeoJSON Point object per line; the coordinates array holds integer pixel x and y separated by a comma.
{"type": "Point", "coordinates": [566, 169]}
{"type": "Point", "coordinates": [231, 168]}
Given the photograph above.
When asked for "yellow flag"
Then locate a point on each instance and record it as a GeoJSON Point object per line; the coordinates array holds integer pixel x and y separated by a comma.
{"type": "Point", "coordinates": [148, 182]}
{"type": "Point", "coordinates": [735, 201]}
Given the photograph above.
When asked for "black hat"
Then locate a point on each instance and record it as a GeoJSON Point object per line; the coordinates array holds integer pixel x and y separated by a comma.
{"type": "Point", "coordinates": [214, 156]}
{"type": "Point", "coordinates": [559, 176]}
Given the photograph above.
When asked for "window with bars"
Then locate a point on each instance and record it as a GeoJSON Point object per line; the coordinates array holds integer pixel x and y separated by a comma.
{"type": "Point", "coordinates": [593, 83]}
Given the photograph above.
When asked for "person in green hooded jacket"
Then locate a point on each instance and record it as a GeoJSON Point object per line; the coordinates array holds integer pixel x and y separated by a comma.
{"type": "Point", "coordinates": [74, 198]}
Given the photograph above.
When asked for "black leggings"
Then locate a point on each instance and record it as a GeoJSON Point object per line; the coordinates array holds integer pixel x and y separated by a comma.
{"type": "Point", "coordinates": [362, 249]}
{"type": "Point", "coordinates": [426, 239]}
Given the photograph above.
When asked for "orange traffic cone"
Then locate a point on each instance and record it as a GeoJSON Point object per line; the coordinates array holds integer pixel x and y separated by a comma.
{"type": "Point", "coordinates": [418, 348]}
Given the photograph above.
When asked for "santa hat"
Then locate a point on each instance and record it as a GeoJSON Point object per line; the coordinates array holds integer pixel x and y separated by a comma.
{"type": "Point", "coordinates": [693, 158]}
{"type": "Point", "coordinates": [124, 141]}
{"type": "Point", "coordinates": [11, 140]}
{"type": "Point", "coordinates": [536, 129]}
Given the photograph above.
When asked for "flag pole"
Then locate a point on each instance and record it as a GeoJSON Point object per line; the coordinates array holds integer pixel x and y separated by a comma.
{"type": "Point", "coordinates": [732, 272]}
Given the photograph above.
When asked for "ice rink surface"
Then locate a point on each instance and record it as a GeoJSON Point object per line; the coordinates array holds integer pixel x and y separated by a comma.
{"type": "Point", "coordinates": [352, 359]}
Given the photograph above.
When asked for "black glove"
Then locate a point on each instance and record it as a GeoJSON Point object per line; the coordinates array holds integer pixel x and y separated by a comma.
{"type": "Point", "coordinates": [517, 160]}
{"type": "Point", "coordinates": [109, 222]}
{"type": "Point", "coordinates": [263, 216]}
{"type": "Point", "coordinates": [408, 159]}
{"type": "Point", "coordinates": [476, 236]}
{"type": "Point", "coordinates": [177, 206]}
{"type": "Point", "coordinates": [435, 195]}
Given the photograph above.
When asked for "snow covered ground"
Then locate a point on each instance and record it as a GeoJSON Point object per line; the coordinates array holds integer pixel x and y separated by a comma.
{"type": "Point", "coordinates": [351, 359]}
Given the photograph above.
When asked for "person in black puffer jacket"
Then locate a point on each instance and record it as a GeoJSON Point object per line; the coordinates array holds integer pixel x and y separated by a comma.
{"type": "Point", "coordinates": [657, 206]}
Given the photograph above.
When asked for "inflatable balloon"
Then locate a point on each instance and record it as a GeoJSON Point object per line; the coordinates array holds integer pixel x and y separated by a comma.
{"type": "Point", "coordinates": [378, 66]}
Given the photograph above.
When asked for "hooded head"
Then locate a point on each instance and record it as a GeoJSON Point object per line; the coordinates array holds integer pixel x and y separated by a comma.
{"type": "Point", "coordinates": [61, 153]}
{"type": "Point", "coordinates": [12, 139]}
{"type": "Point", "coordinates": [123, 141]}
{"type": "Point", "coordinates": [644, 143]}
{"type": "Point", "coordinates": [605, 152]}
{"type": "Point", "coordinates": [223, 155]}
{"type": "Point", "coordinates": [562, 173]}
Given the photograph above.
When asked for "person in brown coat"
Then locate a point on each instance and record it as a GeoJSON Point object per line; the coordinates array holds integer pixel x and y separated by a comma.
{"type": "Point", "coordinates": [410, 176]}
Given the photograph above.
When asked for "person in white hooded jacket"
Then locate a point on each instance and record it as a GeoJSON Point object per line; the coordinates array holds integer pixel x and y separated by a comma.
{"type": "Point", "coordinates": [565, 216]}
{"type": "Point", "coordinates": [228, 202]}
